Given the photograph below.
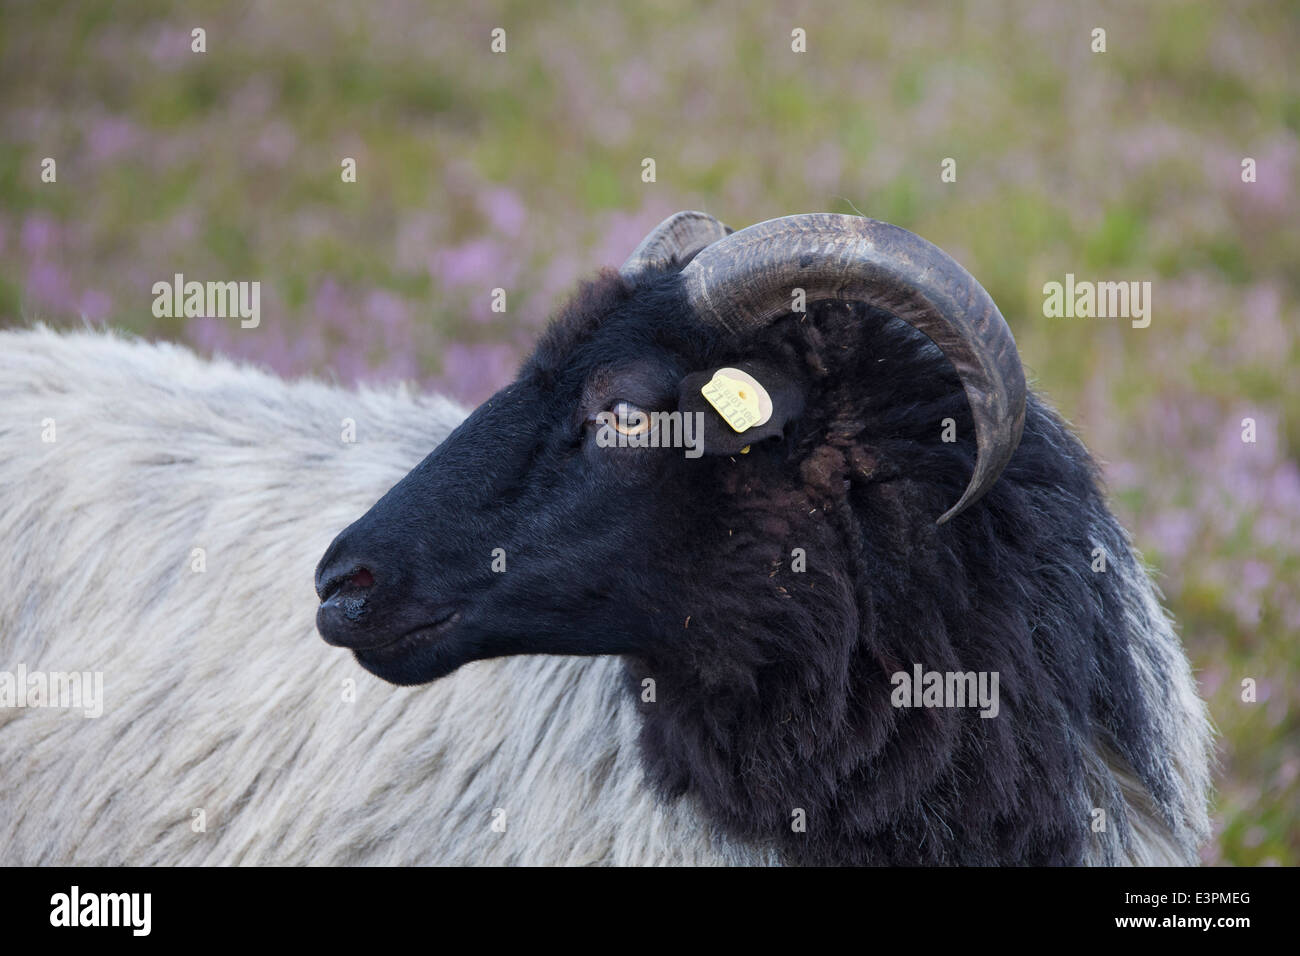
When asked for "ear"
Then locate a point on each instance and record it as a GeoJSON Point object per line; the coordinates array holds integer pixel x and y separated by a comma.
{"type": "Point", "coordinates": [725, 400]}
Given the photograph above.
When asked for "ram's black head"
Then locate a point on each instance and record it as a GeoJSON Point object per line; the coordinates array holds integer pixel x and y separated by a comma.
{"type": "Point", "coordinates": [597, 502]}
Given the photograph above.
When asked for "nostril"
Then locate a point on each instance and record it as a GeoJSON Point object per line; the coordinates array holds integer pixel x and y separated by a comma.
{"type": "Point", "coordinates": [358, 579]}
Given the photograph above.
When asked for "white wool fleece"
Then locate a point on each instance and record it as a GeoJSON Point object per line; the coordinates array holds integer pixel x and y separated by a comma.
{"type": "Point", "coordinates": [231, 733]}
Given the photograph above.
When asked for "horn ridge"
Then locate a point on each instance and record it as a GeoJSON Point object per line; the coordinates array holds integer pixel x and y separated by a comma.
{"type": "Point", "coordinates": [677, 239]}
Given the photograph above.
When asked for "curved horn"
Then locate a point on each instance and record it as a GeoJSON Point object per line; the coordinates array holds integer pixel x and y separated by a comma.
{"type": "Point", "coordinates": [677, 238]}
{"type": "Point", "coordinates": [745, 281]}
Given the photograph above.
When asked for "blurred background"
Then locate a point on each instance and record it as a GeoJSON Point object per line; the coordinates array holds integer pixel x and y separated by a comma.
{"type": "Point", "coordinates": [523, 170]}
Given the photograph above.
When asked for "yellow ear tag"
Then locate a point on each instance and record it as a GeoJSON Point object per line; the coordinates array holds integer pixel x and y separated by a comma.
{"type": "Point", "coordinates": [739, 399]}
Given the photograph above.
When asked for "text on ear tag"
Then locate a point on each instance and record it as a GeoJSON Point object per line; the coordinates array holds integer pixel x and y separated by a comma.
{"type": "Point", "coordinates": [738, 398]}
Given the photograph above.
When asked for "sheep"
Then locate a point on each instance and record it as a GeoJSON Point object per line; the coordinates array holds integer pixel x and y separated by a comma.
{"type": "Point", "coordinates": [652, 680]}
{"type": "Point", "coordinates": [787, 578]}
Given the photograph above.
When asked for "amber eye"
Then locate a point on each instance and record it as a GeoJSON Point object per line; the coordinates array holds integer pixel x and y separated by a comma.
{"type": "Point", "coordinates": [625, 418]}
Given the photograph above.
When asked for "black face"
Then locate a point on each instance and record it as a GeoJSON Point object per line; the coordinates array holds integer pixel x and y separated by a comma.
{"type": "Point", "coordinates": [527, 532]}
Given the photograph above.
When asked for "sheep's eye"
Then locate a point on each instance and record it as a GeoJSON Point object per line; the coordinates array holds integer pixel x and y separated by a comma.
{"type": "Point", "coordinates": [625, 418]}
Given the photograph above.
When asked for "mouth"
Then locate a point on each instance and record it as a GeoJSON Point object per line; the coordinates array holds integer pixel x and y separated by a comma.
{"type": "Point", "coordinates": [417, 637]}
